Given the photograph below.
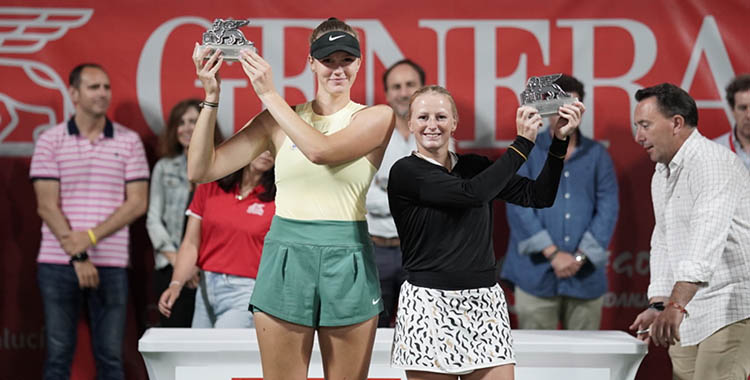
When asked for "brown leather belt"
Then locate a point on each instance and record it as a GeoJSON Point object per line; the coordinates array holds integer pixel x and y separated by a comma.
{"type": "Point", "coordinates": [385, 242]}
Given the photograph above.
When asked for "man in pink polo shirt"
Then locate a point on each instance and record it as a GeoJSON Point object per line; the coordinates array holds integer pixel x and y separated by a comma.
{"type": "Point", "coordinates": [90, 176]}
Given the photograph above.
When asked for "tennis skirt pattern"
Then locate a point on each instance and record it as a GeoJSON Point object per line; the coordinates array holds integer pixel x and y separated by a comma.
{"type": "Point", "coordinates": [451, 331]}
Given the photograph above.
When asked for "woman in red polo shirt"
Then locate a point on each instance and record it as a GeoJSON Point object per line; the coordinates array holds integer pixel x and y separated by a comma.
{"type": "Point", "coordinates": [227, 223]}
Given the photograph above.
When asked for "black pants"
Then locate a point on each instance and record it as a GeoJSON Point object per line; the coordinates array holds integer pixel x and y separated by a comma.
{"type": "Point", "coordinates": [392, 275]}
{"type": "Point", "coordinates": [182, 310]}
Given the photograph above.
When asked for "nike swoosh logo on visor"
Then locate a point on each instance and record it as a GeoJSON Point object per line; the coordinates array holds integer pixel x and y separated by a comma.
{"type": "Point", "coordinates": [332, 38]}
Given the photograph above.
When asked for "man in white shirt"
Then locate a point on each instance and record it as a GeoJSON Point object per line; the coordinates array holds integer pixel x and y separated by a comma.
{"type": "Point", "coordinates": [400, 81]}
{"type": "Point", "coordinates": [699, 292]}
{"type": "Point", "coordinates": [738, 139]}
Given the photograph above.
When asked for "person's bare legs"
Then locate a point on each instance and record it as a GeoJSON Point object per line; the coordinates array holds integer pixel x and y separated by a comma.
{"type": "Point", "coordinates": [285, 347]}
{"type": "Point", "coordinates": [346, 350]}
{"type": "Point", "coordinates": [423, 375]}
{"type": "Point", "coordinates": [503, 372]}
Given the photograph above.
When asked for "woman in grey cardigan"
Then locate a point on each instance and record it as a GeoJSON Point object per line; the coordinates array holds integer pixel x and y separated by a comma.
{"type": "Point", "coordinates": [169, 196]}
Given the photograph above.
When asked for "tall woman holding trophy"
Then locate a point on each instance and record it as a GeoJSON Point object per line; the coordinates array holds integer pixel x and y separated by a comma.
{"type": "Point", "coordinates": [317, 271]}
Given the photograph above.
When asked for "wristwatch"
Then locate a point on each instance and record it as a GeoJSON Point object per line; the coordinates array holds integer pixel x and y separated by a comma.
{"type": "Point", "coordinates": [658, 306]}
{"type": "Point", "coordinates": [83, 256]}
{"type": "Point", "coordinates": [580, 257]}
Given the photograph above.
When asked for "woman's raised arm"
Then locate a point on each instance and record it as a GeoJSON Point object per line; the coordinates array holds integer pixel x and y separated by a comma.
{"type": "Point", "coordinates": [205, 162]}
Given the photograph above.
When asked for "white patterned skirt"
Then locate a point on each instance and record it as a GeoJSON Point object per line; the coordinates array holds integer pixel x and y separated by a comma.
{"type": "Point", "coordinates": [451, 331]}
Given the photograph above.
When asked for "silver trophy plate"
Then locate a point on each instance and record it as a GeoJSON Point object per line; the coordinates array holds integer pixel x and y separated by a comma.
{"type": "Point", "coordinates": [545, 95]}
{"type": "Point", "coordinates": [226, 36]}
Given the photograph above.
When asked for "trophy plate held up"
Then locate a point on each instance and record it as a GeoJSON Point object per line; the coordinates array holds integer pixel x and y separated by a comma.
{"type": "Point", "coordinates": [226, 36]}
{"type": "Point", "coordinates": [545, 95]}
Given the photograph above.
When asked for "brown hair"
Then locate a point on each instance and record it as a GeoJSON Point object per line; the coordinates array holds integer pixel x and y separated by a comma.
{"type": "Point", "coordinates": [438, 90]}
{"type": "Point", "coordinates": [74, 78]}
{"type": "Point", "coordinates": [267, 180]}
{"type": "Point", "coordinates": [738, 84]}
{"type": "Point", "coordinates": [332, 25]}
{"type": "Point", "coordinates": [569, 83]}
{"type": "Point", "coordinates": [169, 145]}
{"type": "Point", "coordinates": [408, 62]}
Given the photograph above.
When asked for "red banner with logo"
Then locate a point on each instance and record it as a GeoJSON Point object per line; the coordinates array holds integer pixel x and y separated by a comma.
{"type": "Point", "coordinates": [482, 51]}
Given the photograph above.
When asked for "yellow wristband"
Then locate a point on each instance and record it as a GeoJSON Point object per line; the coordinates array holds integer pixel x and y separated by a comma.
{"type": "Point", "coordinates": [92, 237]}
{"type": "Point", "coordinates": [518, 151]}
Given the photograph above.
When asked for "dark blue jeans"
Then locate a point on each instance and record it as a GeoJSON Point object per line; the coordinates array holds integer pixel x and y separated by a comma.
{"type": "Point", "coordinates": [107, 306]}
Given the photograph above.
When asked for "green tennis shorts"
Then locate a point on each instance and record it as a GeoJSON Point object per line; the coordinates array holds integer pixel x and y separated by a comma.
{"type": "Point", "coordinates": [317, 273]}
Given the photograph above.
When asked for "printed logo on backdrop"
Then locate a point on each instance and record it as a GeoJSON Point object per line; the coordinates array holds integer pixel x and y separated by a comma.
{"type": "Point", "coordinates": [629, 266]}
{"type": "Point", "coordinates": [27, 31]}
{"type": "Point", "coordinates": [379, 43]}
{"type": "Point", "coordinates": [21, 340]}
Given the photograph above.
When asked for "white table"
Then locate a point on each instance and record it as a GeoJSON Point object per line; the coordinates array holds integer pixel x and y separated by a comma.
{"type": "Point", "coordinates": [225, 354]}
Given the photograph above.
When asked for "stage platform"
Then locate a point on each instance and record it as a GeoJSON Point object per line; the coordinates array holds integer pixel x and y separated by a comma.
{"type": "Point", "coordinates": [227, 354]}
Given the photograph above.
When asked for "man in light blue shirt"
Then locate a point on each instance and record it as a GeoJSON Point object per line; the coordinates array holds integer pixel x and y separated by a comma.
{"type": "Point", "coordinates": [557, 257]}
{"type": "Point", "coordinates": [400, 81]}
{"type": "Point", "coordinates": [738, 139]}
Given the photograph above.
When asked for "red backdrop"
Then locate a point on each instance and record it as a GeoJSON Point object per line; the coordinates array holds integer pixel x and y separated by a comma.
{"type": "Point", "coordinates": [481, 50]}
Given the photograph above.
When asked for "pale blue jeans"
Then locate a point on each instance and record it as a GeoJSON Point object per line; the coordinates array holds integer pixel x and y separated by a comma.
{"type": "Point", "coordinates": [222, 301]}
